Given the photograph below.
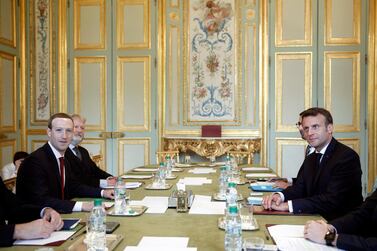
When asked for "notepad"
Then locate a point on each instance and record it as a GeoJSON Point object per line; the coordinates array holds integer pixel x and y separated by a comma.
{"type": "Point", "coordinates": [265, 188]}
{"type": "Point", "coordinates": [70, 223]}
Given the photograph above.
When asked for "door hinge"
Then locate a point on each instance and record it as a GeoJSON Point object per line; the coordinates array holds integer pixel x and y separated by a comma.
{"type": "Point", "coordinates": [68, 63]}
{"type": "Point", "coordinates": [269, 124]}
{"type": "Point", "coordinates": [155, 62]}
{"type": "Point", "coordinates": [365, 124]}
{"type": "Point", "coordinates": [155, 124]}
{"type": "Point", "coordinates": [366, 58]}
{"type": "Point", "coordinates": [68, 3]}
{"type": "Point", "coordinates": [18, 63]}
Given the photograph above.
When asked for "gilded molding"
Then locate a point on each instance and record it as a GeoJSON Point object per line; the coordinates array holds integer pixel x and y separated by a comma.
{"type": "Point", "coordinates": [23, 83]}
{"type": "Point", "coordinates": [146, 43]}
{"type": "Point", "coordinates": [62, 59]}
{"type": "Point", "coordinates": [280, 142]}
{"type": "Point", "coordinates": [146, 99]}
{"type": "Point", "coordinates": [12, 40]}
{"type": "Point", "coordinates": [77, 27]}
{"type": "Point", "coordinates": [146, 142]}
{"type": "Point", "coordinates": [171, 73]}
{"type": "Point", "coordinates": [355, 56]}
{"type": "Point", "coordinates": [308, 33]}
{"type": "Point", "coordinates": [13, 60]}
{"type": "Point", "coordinates": [279, 58]}
{"type": "Point", "coordinates": [78, 92]}
{"type": "Point", "coordinates": [208, 147]}
{"type": "Point", "coordinates": [356, 18]}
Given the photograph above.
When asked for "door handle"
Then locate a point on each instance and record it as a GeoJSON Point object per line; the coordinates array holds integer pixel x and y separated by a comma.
{"type": "Point", "coordinates": [111, 135]}
{"type": "Point", "coordinates": [117, 135]}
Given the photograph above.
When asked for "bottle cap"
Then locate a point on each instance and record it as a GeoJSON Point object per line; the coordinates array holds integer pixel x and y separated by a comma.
{"type": "Point", "coordinates": [119, 179]}
{"type": "Point", "coordinates": [97, 202]}
{"type": "Point", "coordinates": [161, 163]}
{"type": "Point", "coordinates": [223, 168]}
{"type": "Point", "coordinates": [231, 184]}
{"type": "Point", "coordinates": [233, 209]}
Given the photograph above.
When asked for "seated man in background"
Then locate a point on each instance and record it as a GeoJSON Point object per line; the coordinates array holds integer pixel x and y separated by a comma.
{"type": "Point", "coordinates": [45, 177]}
{"type": "Point", "coordinates": [83, 167]}
{"type": "Point", "coordinates": [10, 170]}
{"type": "Point", "coordinates": [354, 231]}
{"type": "Point", "coordinates": [329, 183]}
{"type": "Point", "coordinates": [24, 221]}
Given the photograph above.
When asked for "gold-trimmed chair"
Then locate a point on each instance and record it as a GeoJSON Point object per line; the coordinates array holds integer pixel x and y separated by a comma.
{"type": "Point", "coordinates": [97, 159]}
{"type": "Point", "coordinates": [10, 183]}
{"type": "Point", "coordinates": [240, 155]}
{"type": "Point", "coordinates": [161, 155]}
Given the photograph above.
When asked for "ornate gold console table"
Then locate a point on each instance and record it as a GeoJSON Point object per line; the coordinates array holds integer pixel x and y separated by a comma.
{"type": "Point", "coordinates": [212, 147]}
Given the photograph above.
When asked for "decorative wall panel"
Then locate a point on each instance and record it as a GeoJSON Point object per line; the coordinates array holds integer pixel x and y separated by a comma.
{"type": "Point", "coordinates": [8, 101]}
{"type": "Point", "coordinates": [342, 89]}
{"type": "Point", "coordinates": [7, 149]}
{"type": "Point", "coordinates": [8, 22]}
{"type": "Point", "coordinates": [90, 90]}
{"type": "Point", "coordinates": [132, 153]}
{"type": "Point", "coordinates": [90, 24]}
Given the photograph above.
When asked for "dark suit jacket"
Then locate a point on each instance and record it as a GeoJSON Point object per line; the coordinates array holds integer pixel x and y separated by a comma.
{"type": "Point", "coordinates": [38, 182]}
{"type": "Point", "coordinates": [85, 170]}
{"type": "Point", "coordinates": [357, 230]}
{"type": "Point", "coordinates": [331, 190]}
{"type": "Point", "coordinates": [12, 210]}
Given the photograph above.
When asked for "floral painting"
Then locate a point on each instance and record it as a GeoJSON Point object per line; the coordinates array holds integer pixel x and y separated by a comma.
{"type": "Point", "coordinates": [42, 60]}
{"type": "Point", "coordinates": [212, 60]}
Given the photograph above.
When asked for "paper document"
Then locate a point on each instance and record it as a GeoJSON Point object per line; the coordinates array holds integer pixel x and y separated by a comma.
{"type": "Point", "coordinates": [195, 181]}
{"type": "Point", "coordinates": [202, 170]}
{"type": "Point", "coordinates": [260, 175]}
{"type": "Point", "coordinates": [155, 204]}
{"type": "Point", "coordinates": [136, 176]}
{"type": "Point", "coordinates": [55, 236]}
{"type": "Point", "coordinates": [203, 205]}
{"type": "Point", "coordinates": [291, 238]}
{"type": "Point", "coordinates": [255, 169]}
{"type": "Point", "coordinates": [162, 243]}
{"type": "Point", "coordinates": [129, 185]}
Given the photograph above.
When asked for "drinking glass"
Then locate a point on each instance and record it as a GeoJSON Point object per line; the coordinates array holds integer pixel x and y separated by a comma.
{"type": "Point", "coordinates": [253, 244]}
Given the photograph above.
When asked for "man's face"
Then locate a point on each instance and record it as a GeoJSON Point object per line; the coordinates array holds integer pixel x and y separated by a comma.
{"type": "Point", "coordinates": [60, 135]}
{"type": "Point", "coordinates": [78, 131]}
{"type": "Point", "coordinates": [299, 127]}
{"type": "Point", "coordinates": [316, 132]}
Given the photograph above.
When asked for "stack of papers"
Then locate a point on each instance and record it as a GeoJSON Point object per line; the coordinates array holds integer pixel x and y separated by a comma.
{"type": "Point", "coordinates": [251, 169]}
{"type": "Point", "coordinates": [195, 181]}
{"type": "Point", "coordinates": [202, 170]}
{"type": "Point", "coordinates": [145, 169]}
{"type": "Point", "coordinates": [129, 185]}
{"type": "Point", "coordinates": [260, 175]}
{"type": "Point", "coordinates": [161, 244]}
{"type": "Point", "coordinates": [203, 205]}
{"type": "Point", "coordinates": [54, 237]}
{"type": "Point", "coordinates": [136, 176]}
{"type": "Point", "coordinates": [291, 237]}
{"type": "Point", "coordinates": [155, 204]}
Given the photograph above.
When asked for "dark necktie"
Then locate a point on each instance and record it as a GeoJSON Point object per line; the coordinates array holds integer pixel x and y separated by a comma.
{"type": "Point", "coordinates": [78, 153]}
{"type": "Point", "coordinates": [318, 159]}
{"type": "Point", "coordinates": [61, 163]}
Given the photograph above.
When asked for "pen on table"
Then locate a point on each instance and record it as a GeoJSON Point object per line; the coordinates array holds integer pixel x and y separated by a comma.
{"type": "Point", "coordinates": [75, 237]}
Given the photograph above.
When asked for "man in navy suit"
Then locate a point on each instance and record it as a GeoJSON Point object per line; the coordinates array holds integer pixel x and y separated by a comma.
{"type": "Point", "coordinates": [354, 231]}
{"type": "Point", "coordinates": [330, 178]}
{"type": "Point", "coordinates": [83, 167]}
{"type": "Point", "coordinates": [22, 221]}
{"type": "Point", "coordinates": [45, 177]}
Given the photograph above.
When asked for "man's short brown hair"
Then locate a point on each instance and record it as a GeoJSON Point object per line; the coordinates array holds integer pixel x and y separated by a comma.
{"type": "Point", "coordinates": [58, 115]}
{"type": "Point", "coordinates": [314, 111]}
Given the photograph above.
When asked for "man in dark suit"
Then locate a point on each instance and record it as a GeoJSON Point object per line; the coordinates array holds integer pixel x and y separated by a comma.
{"type": "Point", "coordinates": [45, 177]}
{"type": "Point", "coordinates": [24, 221]}
{"type": "Point", "coordinates": [83, 167]}
{"type": "Point", "coordinates": [354, 231]}
{"type": "Point", "coordinates": [330, 180]}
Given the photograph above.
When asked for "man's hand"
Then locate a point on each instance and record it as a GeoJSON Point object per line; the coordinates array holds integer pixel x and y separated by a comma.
{"type": "Point", "coordinates": [53, 217]}
{"type": "Point", "coordinates": [108, 193]}
{"type": "Point", "coordinates": [281, 207]}
{"type": "Point", "coordinates": [33, 230]}
{"type": "Point", "coordinates": [316, 231]}
{"type": "Point", "coordinates": [111, 181]}
{"type": "Point", "coordinates": [271, 199]}
{"type": "Point", "coordinates": [87, 206]}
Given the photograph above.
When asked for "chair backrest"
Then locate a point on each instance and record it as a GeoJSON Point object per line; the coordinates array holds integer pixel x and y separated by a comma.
{"type": "Point", "coordinates": [97, 159]}
{"type": "Point", "coordinates": [160, 156]}
{"type": "Point", "coordinates": [240, 155]}
{"type": "Point", "coordinates": [10, 183]}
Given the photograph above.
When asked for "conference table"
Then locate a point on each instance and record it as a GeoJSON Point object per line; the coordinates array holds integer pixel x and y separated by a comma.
{"type": "Point", "coordinates": [202, 230]}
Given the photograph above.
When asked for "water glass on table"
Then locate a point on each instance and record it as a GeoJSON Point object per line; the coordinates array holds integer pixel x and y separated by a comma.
{"type": "Point", "coordinates": [246, 213]}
